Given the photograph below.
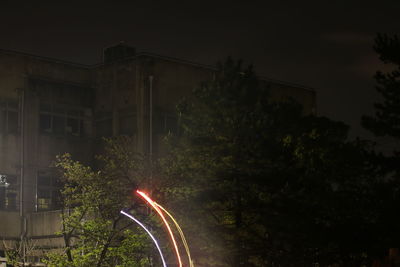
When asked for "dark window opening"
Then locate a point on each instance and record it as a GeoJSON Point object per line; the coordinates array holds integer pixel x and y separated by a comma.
{"type": "Point", "coordinates": [58, 125]}
{"type": "Point", "coordinates": [9, 193]}
{"type": "Point", "coordinates": [8, 117]}
{"type": "Point", "coordinates": [104, 127]}
{"type": "Point", "coordinates": [127, 124]}
{"type": "Point", "coordinates": [48, 192]}
{"type": "Point", "coordinates": [12, 122]}
{"type": "Point", "coordinates": [45, 123]}
{"type": "Point", "coordinates": [62, 120]}
{"type": "Point", "coordinates": [44, 181]}
{"type": "Point", "coordinates": [165, 123]}
{"type": "Point", "coordinates": [73, 126]}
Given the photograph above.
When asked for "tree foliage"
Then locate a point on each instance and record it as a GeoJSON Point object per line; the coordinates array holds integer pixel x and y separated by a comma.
{"type": "Point", "coordinates": [253, 182]}
{"type": "Point", "coordinates": [94, 231]}
{"type": "Point", "coordinates": [264, 183]}
{"type": "Point", "coordinates": [386, 121]}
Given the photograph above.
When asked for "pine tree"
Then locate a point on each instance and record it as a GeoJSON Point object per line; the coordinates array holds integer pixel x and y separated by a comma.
{"type": "Point", "coordinates": [386, 121]}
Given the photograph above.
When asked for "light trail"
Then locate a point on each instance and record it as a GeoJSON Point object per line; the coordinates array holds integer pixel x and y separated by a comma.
{"type": "Point", "coordinates": [180, 233]}
{"type": "Point", "coordinates": [158, 210]}
{"type": "Point", "coordinates": [152, 237]}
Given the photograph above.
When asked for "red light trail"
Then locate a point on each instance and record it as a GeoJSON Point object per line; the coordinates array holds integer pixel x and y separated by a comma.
{"type": "Point", "coordinates": [180, 232]}
{"type": "Point", "coordinates": [157, 209]}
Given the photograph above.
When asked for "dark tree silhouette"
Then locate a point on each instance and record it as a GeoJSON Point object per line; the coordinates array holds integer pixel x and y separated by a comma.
{"type": "Point", "coordinates": [265, 184]}
{"type": "Point", "coordinates": [386, 121]}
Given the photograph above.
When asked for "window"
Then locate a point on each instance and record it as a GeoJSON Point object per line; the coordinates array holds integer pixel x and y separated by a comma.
{"type": "Point", "coordinates": [8, 192]}
{"type": "Point", "coordinates": [165, 123]}
{"type": "Point", "coordinates": [127, 122]}
{"type": "Point", "coordinates": [8, 117]}
{"type": "Point", "coordinates": [62, 120]}
{"type": "Point", "coordinates": [104, 127]}
{"type": "Point", "coordinates": [48, 192]}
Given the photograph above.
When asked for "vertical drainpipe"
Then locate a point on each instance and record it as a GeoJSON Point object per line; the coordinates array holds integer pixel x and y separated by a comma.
{"type": "Point", "coordinates": [151, 134]}
{"type": "Point", "coordinates": [151, 118]}
{"type": "Point", "coordinates": [21, 188]}
{"type": "Point", "coordinates": [151, 142]}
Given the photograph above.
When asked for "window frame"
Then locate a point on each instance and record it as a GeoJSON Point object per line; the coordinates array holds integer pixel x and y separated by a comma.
{"type": "Point", "coordinates": [6, 202]}
{"type": "Point", "coordinates": [9, 106]}
{"type": "Point", "coordinates": [162, 123]}
{"type": "Point", "coordinates": [55, 112]}
{"type": "Point", "coordinates": [51, 202]}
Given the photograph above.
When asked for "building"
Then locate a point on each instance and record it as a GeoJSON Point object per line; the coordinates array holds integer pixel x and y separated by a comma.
{"type": "Point", "coordinates": [49, 107]}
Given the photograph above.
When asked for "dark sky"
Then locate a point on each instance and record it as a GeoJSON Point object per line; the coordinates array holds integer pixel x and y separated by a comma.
{"type": "Point", "coordinates": [326, 45]}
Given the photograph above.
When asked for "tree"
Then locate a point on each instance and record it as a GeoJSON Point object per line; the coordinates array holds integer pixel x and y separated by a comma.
{"type": "Point", "coordinates": [387, 117]}
{"type": "Point", "coordinates": [94, 231]}
{"type": "Point", "coordinates": [386, 123]}
{"type": "Point", "coordinates": [263, 183]}
{"type": "Point", "coordinates": [17, 251]}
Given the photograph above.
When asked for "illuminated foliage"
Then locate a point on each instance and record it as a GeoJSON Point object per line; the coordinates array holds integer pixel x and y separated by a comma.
{"type": "Point", "coordinates": [94, 231]}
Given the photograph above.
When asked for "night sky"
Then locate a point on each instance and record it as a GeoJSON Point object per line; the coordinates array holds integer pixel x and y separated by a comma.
{"type": "Point", "coordinates": [326, 45]}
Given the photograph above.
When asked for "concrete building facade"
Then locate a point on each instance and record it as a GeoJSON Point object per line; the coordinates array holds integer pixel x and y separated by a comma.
{"type": "Point", "coordinates": [50, 107]}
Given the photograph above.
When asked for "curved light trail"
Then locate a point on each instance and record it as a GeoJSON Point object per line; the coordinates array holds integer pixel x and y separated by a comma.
{"type": "Point", "coordinates": [152, 237]}
{"type": "Point", "coordinates": [180, 233]}
{"type": "Point", "coordinates": [158, 210]}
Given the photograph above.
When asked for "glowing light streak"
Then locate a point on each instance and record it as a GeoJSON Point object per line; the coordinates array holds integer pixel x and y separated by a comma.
{"type": "Point", "coordinates": [180, 233]}
{"type": "Point", "coordinates": [155, 207]}
{"type": "Point", "coordinates": [152, 237]}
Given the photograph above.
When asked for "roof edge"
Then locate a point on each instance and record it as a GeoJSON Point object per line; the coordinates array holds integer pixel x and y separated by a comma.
{"type": "Point", "coordinates": [48, 59]}
{"type": "Point", "coordinates": [148, 54]}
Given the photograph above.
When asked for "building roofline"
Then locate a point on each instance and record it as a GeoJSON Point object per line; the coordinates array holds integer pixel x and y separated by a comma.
{"type": "Point", "coordinates": [48, 59]}
{"type": "Point", "coordinates": [153, 55]}
{"type": "Point", "coordinates": [148, 54]}
{"type": "Point", "coordinates": [210, 67]}
{"type": "Point", "coordinates": [296, 85]}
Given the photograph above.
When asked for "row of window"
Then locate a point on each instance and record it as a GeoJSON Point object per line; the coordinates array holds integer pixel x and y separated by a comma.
{"type": "Point", "coordinates": [47, 193]}
{"type": "Point", "coordinates": [47, 187]}
{"type": "Point", "coordinates": [163, 123]}
{"type": "Point", "coordinates": [73, 122]}
{"type": "Point", "coordinates": [63, 121]}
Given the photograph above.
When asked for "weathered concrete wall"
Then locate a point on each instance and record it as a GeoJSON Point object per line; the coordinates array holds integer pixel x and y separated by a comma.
{"type": "Point", "coordinates": [41, 229]}
{"type": "Point", "coordinates": [115, 85]}
{"type": "Point", "coordinates": [42, 224]}
{"type": "Point", "coordinates": [11, 79]}
{"type": "Point", "coordinates": [9, 225]}
{"type": "Point", "coordinates": [172, 81]}
{"type": "Point", "coordinates": [49, 81]}
{"type": "Point", "coordinates": [9, 153]}
{"type": "Point", "coordinates": [49, 147]}
{"type": "Point", "coordinates": [115, 101]}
